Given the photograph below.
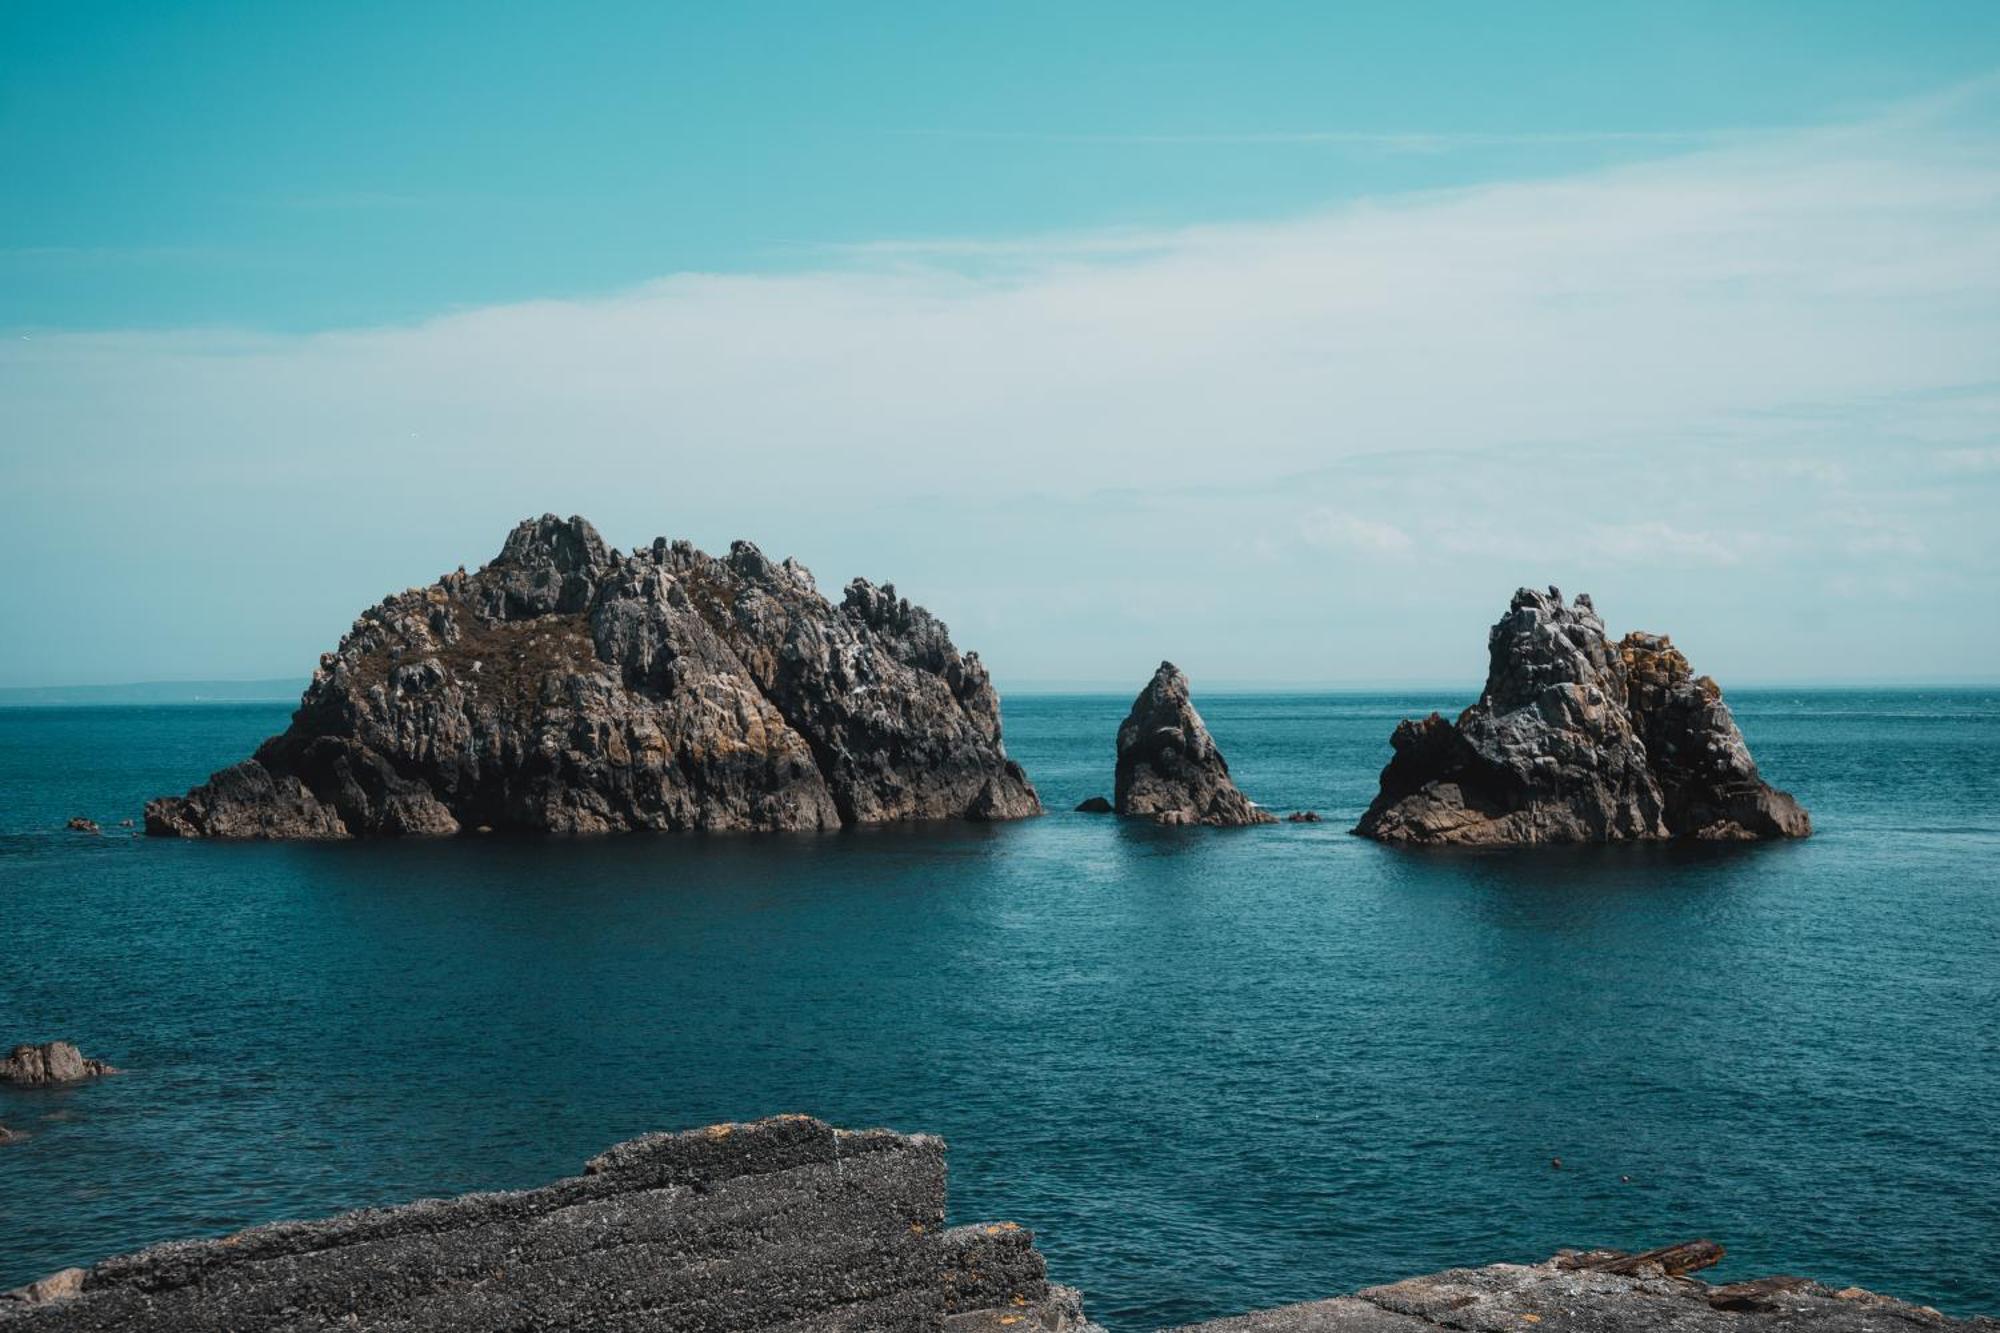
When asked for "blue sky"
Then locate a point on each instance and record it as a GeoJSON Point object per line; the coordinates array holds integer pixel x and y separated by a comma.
{"type": "Point", "coordinates": [1280, 340]}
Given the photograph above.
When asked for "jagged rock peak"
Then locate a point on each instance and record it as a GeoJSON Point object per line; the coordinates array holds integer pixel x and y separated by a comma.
{"type": "Point", "coordinates": [1543, 641]}
{"type": "Point", "coordinates": [1578, 739]}
{"type": "Point", "coordinates": [568, 545]}
{"type": "Point", "coordinates": [565, 687]}
{"type": "Point", "coordinates": [1169, 769]}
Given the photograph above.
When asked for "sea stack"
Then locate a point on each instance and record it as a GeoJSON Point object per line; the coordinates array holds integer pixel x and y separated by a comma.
{"type": "Point", "coordinates": [567, 688]}
{"type": "Point", "coordinates": [1169, 769]}
{"type": "Point", "coordinates": [1578, 739]}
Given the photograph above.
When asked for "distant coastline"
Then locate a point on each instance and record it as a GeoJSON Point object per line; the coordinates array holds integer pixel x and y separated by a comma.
{"type": "Point", "coordinates": [284, 689]}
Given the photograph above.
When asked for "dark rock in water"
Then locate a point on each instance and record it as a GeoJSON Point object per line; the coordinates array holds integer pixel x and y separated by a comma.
{"type": "Point", "coordinates": [8, 1136]}
{"type": "Point", "coordinates": [1095, 805]}
{"type": "Point", "coordinates": [78, 824]}
{"type": "Point", "coordinates": [1577, 739]}
{"type": "Point", "coordinates": [1302, 817]}
{"type": "Point", "coordinates": [50, 1063]}
{"type": "Point", "coordinates": [1169, 769]}
{"type": "Point", "coordinates": [785, 1224]}
{"type": "Point", "coordinates": [568, 688]}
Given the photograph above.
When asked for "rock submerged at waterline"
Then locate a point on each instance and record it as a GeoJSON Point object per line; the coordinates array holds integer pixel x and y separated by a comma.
{"type": "Point", "coordinates": [1169, 769]}
{"type": "Point", "coordinates": [1578, 739]}
{"type": "Point", "coordinates": [50, 1064]}
{"type": "Point", "coordinates": [568, 688]}
{"type": "Point", "coordinates": [1597, 1290]}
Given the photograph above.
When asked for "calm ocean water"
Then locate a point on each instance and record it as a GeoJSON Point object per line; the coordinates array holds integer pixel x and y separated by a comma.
{"type": "Point", "coordinates": [1215, 1070]}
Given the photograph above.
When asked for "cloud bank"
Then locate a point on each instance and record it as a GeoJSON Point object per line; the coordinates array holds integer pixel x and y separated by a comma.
{"type": "Point", "coordinates": [1747, 393]}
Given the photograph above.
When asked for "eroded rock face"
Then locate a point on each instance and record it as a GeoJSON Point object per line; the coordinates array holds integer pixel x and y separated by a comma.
{"type": "Point", "coordinates": [567, 688]}
{"type": "Point", "coordinates": [784, 1225]}
{"type": "Point", "coordinates": [50, 1063]}
{"type": "Point", "coordinates": [1577, 739]}
{"type": "Point", "coordinates": [1707, 779]}
{"type": "Point", "coordinates": [1169, 769]}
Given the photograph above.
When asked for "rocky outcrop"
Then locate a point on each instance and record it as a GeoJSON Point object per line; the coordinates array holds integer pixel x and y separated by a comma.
{"type": "Point", "coordinates": [784, 1224]}
{"type": "Point", "coordinates": [1578, 739]}
{"type": "Point", "coordinates": [60, 1285]}
{"type": "Point", "coordinates": [78, 824]}
{"type": "Point", "coordinates": [1561, 1295]}
{"type": "Point", "coordinates": [791, 1226]}
{"type": "Point", "coordinates": [8, 1136]}
{"type": "Point", "coordinates": [49, 1064]}
{"type": "Point", "coordinates": [568, 688]}
{"type": "Point", "coordinates": [1169, 769]}
{"type": "Point", "coordinates": [1094, 805]}
{"type": "Point", "coordinates": [1709, 785]}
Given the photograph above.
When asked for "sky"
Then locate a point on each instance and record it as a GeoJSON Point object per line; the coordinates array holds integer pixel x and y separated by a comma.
{"type": "Point", "coordinates": [1283, 341]}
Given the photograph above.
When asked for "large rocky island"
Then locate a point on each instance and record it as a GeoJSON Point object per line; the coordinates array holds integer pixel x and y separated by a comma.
{"type": "Point", "coordinates": [1578, 739]}
{"type": "Point", "coordinates": [566, 687]}
{"type": "Point", "coordinates": [792, 1226]}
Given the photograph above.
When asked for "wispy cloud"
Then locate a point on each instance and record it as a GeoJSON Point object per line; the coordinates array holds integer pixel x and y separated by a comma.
{"type": "Point", "coordinates": [1670, 378]}
{"type": "Point", "coordinates": [1660, 544]}
{"type": "Point", "coordinates": [347, 201]}
{"type": "Point", "coordinates": [1335, 530]}
{"type": "Point", "coordinates": [1972, 460]}
{"type": "Point", "coordinates": [1391, 141]}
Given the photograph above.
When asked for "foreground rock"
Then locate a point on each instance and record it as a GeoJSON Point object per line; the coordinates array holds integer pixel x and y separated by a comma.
{"type": "Point", "coordinates": [51, 1063]}
{"type": "Point", "coordinates": [78, 824]}
{"type": "Point", "coordinates": [568, 688]}
{"type": "Point", "coordinates": [784, 1224]}
{"type": "Point", "coordinates": [1578, 739]}
{"type": "Point", "coordinates": [789, 1225]}
{"type": "Point", "coordinates": [1169, 769]}
{"type": "Point", "coordinates": [1574, 1293]}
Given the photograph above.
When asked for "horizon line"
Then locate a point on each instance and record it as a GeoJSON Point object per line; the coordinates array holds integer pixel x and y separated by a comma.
{"type": "Point", "coordinates": [289, 689]}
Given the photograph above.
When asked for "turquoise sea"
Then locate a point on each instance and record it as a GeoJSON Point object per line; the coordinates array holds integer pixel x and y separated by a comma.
{"type": "Point", "coordinates": [1214, 1070]}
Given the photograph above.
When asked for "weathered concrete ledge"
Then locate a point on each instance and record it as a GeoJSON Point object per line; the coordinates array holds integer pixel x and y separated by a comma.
{"type": "Point", "coordinates": [791, 1226]}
